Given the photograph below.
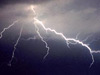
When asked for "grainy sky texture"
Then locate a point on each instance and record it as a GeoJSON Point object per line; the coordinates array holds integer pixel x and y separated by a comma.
{"type": "Point", "coordinates": [67, 16]}
{"type": "Point", "coordinates": [71, 17]}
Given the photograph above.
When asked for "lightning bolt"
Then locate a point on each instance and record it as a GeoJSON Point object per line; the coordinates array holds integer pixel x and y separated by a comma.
{"type": "Point", "coordinates": [31, 38]}
{"type": "Point", "coordinates": [46, 45]}
{"type": "Point", "coordinates": [37, 21]}
{"type": "Point", "coordinates": [97, 51]}
{"type": "Point", "coordinates": [13, 53]}
{"type": "Point", "coordinates": [1, 34]}
{"type": "Point", "coordinates": [67, 39]}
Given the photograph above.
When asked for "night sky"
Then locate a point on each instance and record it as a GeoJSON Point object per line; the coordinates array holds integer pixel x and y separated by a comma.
{"type": "Point", "coordinates": [78, 19]}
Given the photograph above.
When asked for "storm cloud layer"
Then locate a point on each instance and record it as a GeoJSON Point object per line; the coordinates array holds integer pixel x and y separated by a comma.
{"type": "Point", "coordinates": [71, 16]}
{"type": "Point", "coordinates": [6, 2]}
{"type": "Point", "coordinates": [67, 16]}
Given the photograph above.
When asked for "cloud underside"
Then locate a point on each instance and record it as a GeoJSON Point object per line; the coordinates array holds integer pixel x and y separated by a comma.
{"type": "Point", "coordinates": [67, 16]}
{"type": "Point", "coordinates": [11, 2]}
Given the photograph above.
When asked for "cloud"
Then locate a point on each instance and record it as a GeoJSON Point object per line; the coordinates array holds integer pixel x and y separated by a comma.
{"type": "Point", "coordinates": [12, 2]}
{"type": "Point", "coordinates": [67, 16]}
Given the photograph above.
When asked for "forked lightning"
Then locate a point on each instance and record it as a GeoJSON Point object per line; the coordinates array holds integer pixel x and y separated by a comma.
{"type": "Point", "coordinates": [37, 22]}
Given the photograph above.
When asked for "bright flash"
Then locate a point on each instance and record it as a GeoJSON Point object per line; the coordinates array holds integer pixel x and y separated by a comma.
{"type": "Point", "coordinates": [32, 8]}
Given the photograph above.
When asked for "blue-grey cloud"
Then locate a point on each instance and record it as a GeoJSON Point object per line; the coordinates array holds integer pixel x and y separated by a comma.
{"type": "Point", "coordinates": [12, 2]}
{"type": "Point", "coordinates": [67, 16]}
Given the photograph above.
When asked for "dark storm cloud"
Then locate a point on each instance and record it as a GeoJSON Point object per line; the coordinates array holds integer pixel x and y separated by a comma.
{"type": "Point", "coordinates": [76, 15]}
{"type": "Point", "coordinates": [6, 2]}
{"type": "Point", "coordinates": [82, 4]}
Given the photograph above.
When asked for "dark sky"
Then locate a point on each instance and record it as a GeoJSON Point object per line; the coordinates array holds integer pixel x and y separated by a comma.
{"type": "Point", "coordinates": [71, 17]}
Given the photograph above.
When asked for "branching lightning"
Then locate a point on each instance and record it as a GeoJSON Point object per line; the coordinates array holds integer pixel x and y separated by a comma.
{"type": "Point", "coordinates": [36, 21]}
{"type": "Point", "coordinates": [31, 38]}
{"type": "Point", "coordinates": [13, 53]}
{"type": "Point", "coordinates": [1, 34]}
{"type": "Point", "coordinates": [46, 45]}
{"type": "Point", "coordinates": [67, 39]}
